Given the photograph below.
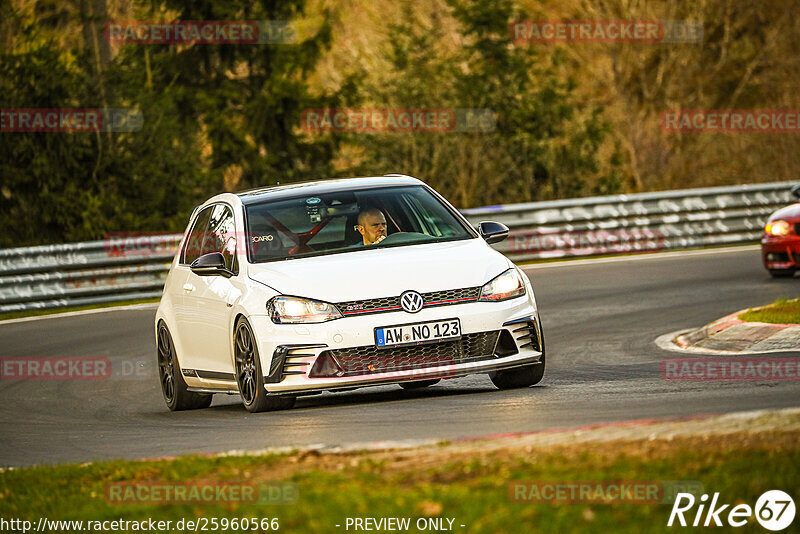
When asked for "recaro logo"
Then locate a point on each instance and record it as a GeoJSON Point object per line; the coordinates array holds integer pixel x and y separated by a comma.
{"type": "Point", "coordinates": [774, 510]}
{"type": "Point", "coordinates": [411, 301]}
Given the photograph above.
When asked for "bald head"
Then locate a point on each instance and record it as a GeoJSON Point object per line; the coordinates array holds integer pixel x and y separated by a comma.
{"type": "Point", "coordinates": [372, 225]}
{"type": "Point", "coordinates": [369, 212]}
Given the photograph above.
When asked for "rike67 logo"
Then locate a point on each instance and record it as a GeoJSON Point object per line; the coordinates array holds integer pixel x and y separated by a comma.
{"type": "Point", "coordinates": [774, 510]}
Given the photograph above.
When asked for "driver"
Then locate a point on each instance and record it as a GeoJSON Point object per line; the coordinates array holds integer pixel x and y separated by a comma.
{"type": "Point", "coordinates": [372, 226]}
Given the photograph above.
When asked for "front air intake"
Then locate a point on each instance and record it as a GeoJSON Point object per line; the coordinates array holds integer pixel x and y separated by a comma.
{"type": "Point", "coordinates": [525, 332]}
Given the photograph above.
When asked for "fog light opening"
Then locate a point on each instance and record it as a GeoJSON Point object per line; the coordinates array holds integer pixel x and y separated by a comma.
{"type": "Point", "coordinates": [326, 366]}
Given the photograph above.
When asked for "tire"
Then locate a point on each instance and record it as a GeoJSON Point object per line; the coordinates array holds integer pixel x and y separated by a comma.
{"type": "Point", "coordinates": [419, 384]}
{"type": "Point", "coordinates": [250, 377]}
{"type": "Point", "coordinates": [173, 387]}
{"type": "Point", "coordinates": [521, 377]}
{"type": "Point", "coordinates": [781, 273]}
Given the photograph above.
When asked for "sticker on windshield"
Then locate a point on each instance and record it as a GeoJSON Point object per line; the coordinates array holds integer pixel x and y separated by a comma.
{"type": "Point", "coordinates": [259, 238]}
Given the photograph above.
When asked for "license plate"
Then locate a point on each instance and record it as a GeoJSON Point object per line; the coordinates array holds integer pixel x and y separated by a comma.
{"type": "Point", "coordinates": [409, 334]}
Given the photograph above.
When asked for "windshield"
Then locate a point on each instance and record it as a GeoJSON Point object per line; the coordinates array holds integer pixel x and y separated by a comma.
{"type": "Point", "coordinates": [348, 221]}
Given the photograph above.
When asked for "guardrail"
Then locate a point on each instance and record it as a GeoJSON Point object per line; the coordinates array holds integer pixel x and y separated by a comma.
{"type": "Point", "coordinates": [97, 272]}
{"type": "Point", "coordinates": [642, 222]}
{"type": "Point", "coordinates": [89, 273]}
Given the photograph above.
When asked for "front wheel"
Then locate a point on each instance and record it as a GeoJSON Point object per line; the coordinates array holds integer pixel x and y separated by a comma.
{"type": "Point", "coordinates": [173, 387]}
{"type": "Point", "coordinates": [249, 376]}
{"type": "Point", "coordinates": [781, 273]}
{"type": "Point", "coordinates": [521, 377]}
{"type": "Point", "coordinates": [419, 384]}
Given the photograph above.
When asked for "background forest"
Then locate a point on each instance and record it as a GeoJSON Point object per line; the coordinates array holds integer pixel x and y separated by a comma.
{"type": "Point", "coordinates": [571, 119]}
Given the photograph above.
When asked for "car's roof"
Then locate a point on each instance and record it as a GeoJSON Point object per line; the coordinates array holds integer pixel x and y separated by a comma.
{"type": "Point", "coordinates": [319, 187]}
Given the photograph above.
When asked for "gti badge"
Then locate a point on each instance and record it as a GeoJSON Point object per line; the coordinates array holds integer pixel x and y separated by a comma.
{"type": "Point", "coordinates": [411, 301]}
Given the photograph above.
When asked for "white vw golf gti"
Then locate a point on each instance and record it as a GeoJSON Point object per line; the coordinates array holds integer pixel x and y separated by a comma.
{"type": "Point", "coordinates": [332, 285]}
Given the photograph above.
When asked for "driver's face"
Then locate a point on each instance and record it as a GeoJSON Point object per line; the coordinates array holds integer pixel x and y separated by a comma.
{"type": "Point", "coordinates": [374, 228]}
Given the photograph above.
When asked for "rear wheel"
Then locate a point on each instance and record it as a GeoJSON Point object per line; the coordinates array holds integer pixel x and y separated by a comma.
{"type": "Point", "coordinates": [419, 384]}
{"type": "Point", "coordinates": [781, 273]}
{"type": "Point", "coordinates": [521, 377]}
{"type": "Point", "coordinates": [249, 376]}
{"type": "Point", "coordinates": [174, 388]}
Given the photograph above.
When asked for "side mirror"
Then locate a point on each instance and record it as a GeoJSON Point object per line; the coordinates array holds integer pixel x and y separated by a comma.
{"type": "Point", "coordinates": [211, 264]}
{"type": "Point", "coordinates": [796, 191]}
{"type": "Point", "coordinates": [493, 232]}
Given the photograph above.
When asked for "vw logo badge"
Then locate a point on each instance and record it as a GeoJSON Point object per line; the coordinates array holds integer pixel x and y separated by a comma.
{"type": "Point", "coordinates": [411, 301]}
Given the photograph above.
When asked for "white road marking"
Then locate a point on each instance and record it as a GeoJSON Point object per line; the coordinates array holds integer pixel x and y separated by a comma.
{"type": "Point", "coordinates": [145, 306]}
{"type": "Point", "coordinates": [639, 257]}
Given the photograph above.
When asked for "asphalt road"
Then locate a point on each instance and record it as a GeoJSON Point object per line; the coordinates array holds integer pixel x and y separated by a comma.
{"type": "Point", "coordinates": [600, 319]}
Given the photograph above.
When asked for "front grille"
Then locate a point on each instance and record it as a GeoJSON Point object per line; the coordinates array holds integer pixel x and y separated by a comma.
{"type": "Point", "coordinates": [369, 306]}
{"type": "Point", "coordinates": [778, 257]}
{"type": "Point", "coordinates": [389, 304]}
{"type": "Point", "coordinates": [369, 359]}
{"type": "Point", "coordinates": [797, 228]}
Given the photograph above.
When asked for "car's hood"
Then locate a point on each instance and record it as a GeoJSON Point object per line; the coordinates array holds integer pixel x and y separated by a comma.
{"type": "Point", "coordinates": [372, 273]}
{"type": "Point", "coordinates": [789, 212]}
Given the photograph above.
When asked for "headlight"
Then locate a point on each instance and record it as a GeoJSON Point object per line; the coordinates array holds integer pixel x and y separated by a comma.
{"type": "Point", "coordinates": [777, 228]}
{"type": "Point", "coordinates": [506, 286]}
{"type": "Point", "coordinates": [289, 310]}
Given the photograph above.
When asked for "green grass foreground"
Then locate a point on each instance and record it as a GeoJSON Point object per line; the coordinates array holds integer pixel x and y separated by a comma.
{"type": "Point", "coordinates": [780, 312]}
{"type": "Point", "coordinates": [470, 486]}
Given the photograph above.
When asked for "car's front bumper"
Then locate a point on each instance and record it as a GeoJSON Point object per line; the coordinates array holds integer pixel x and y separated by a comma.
{"type": "Point", "coordinates": [781, 252]}
{"type": "Point", "coordinates": [289, 352]}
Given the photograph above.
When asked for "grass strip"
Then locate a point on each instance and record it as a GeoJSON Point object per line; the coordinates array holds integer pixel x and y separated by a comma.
{"type": "Point", "coordinates": [779, 312]}
{"type": "Point", "coordinates": [471, 487]}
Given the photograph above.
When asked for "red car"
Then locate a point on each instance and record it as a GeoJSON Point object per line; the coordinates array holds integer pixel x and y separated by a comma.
{"type": "Point", "coordinates": [780, 245]}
